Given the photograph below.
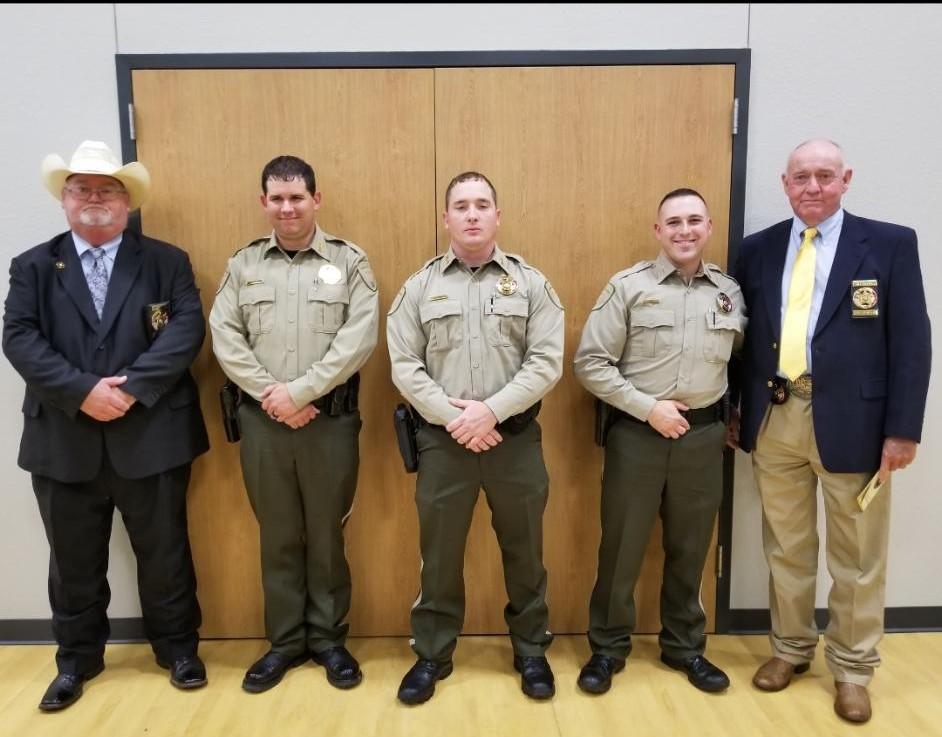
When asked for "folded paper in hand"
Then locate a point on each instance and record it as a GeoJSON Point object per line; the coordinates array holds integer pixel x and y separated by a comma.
{"type": "Point", "coordinates": [869, 491]}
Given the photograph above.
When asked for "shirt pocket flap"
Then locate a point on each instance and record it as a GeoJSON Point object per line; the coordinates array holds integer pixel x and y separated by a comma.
{"type": "Point", "coordinates": [652, 317]}
{"type": "Point", "coordinates": [330, 293]}
{"type": "Point", "coordinates": [438, 309]}
{"type": "Point", "coordinates": [716, 321]}
{"type": "Point", "coordinates": [508, 307]}
{"type": "Point", "coordinates": [255, 294]}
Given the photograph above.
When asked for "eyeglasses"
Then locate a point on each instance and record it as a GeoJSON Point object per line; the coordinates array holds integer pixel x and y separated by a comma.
{"type": "Point", "coordinates": [106, 194]}
{"type": "Point", "coordinates": [824, 179]}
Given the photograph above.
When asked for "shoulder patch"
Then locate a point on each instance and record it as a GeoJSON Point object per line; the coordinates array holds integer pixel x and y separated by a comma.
{"type": "Point", "coordinates": [366, 274]}
{"type": "Point", "coordinates": [605, 296]}
{"type": "Point", "coordinates": [225, 278]}
{"type": "Point", "coordinates": [397, 301]}
{"type": "Point", "coordinates": [551, 293]}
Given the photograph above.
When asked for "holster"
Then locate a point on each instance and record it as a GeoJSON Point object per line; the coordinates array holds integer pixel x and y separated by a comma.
{"type": "Point", "coordinates": [404, 423]}
{"type": "Point", "coordinates": [229, 400]}
{"type": "Point", "coordinates": [342, 399]}
{"type": "Point", "coordinates": [605, 416]}
{"type": "Point", "coordinates": [518, 423]}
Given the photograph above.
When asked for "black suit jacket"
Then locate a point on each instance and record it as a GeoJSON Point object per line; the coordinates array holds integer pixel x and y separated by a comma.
{"type": "Point", "coordinates": [871, 374]}
{"type": "Point", "coordinates": [54, 339]}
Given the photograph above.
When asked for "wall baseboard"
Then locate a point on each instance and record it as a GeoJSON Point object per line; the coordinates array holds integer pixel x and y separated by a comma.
{"type": "Point", "coordinates": [896, 619]}
{"type": "Point", "coordinates": [39, 631]}
{"type": "Point", "coordinates": [741, 622]}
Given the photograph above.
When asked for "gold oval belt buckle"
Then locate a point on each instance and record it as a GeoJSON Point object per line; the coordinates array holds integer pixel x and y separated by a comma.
{"type": "Point", "coordinates": [801, 387]}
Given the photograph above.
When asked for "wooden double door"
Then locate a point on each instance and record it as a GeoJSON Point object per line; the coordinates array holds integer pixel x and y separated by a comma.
{"type": "Point", "coordinates": [580, 157]}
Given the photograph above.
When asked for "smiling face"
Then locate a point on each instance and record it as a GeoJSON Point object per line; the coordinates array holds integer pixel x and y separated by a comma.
{"type": "Point", "coordinates": [471, 219]}
{"type": "Point", "coordinates": [815, 180]}
{"type": "Point", "coordinates": [290, 209]}
{"type": "Point", "coordinates": [96, 206]}
{"type": "Point", "coordinates": [683, 228]}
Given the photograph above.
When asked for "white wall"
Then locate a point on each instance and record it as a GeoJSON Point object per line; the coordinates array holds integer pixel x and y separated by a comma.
{"type": "Point", "coordinates": [866, 76]}
{"type": "Point", "coordinates": [58, 81]}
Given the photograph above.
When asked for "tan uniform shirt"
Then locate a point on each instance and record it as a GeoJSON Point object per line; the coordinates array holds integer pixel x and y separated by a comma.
{"type": "Point", "coordinates": [309, 322]}
{"type": "Point", "coordinates": [493, 335]}
{"type": "Point", "coordinates": [652, 336]}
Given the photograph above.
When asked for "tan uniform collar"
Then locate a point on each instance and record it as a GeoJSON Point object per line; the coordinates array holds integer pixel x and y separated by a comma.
{"type": "Point", "coordinates": [663, 268]}
{"type": "Point", "coordinates": [498, 257]}
{"type": "Point", "coordinates": [318, 243]}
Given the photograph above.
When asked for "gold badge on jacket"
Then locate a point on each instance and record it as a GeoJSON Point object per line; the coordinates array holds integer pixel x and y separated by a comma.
{"type": "Point", "coordinates": [863, 295]}
{"type": "Point", "coordinates": [506, 285]}
{"type": "Point", "coordinates": [157, 317]}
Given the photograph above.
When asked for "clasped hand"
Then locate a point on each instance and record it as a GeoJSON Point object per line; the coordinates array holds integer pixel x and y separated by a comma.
{"type": "Point", "coordinates": [278, 404]}
{"type": "Point", "coordinates": [106, 402]}
{"type": "Point", "coordinates": [665, 417]}
{"type": "Point", "coordinates": [475, 428]}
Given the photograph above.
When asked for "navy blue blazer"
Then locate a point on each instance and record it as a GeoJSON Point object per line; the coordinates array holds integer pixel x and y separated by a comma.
{"type": "Point", "coordinates": [54, 339]}
{"type": "Point", "coordinates": [871, 374]}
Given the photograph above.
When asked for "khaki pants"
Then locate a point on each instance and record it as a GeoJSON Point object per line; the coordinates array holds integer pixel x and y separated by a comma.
{"type": "Point", "coordinates": [787, 470]}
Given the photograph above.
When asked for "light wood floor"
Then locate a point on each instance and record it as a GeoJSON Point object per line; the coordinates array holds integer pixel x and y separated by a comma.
{"type": "Point", "coordinates": [133, 698]}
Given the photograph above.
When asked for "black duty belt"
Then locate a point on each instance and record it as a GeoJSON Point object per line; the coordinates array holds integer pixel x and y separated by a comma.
{"type": "Point", "coordinates": [340, 400]}
{"type": "Point", "coordinates": [702, 416]}
{"type": "Point", "coordinates": [513, 425]}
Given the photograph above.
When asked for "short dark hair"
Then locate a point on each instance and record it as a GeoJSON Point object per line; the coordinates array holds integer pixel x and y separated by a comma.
{"type": "Point", "coordinates": [469, 176]}
{"type": "Point", "coordinates": [286, 168]}
{"type": "Point", "coordinates": [682, 192]}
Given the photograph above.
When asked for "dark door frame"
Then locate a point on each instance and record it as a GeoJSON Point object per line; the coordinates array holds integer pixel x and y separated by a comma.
{"type": "Point", "coordinates": [739, 125]}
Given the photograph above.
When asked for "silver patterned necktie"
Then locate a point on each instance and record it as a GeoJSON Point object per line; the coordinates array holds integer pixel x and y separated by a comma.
{"type": "Point", "coordinates": [98, 279]}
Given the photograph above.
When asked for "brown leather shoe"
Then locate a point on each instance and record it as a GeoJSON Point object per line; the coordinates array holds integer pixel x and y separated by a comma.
{"type": "Point", "coordinates": [852, 702]}
{"type": "Point", "coordinates": [775, 674]}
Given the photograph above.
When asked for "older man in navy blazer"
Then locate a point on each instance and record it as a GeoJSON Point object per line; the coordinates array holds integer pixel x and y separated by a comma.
{"type": "Point", "coordinates": [102, 323]}
{"type": "Point", "coordinates": [835, 372]}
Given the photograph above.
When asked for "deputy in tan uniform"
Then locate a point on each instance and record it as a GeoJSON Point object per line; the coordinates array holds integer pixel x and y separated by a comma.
{"type": "Point", "coordinates": [655, 347]}
{"type": "Point", "coordinates": [476, 341]}
{"type": "Point", "coordinates": [294, 319]}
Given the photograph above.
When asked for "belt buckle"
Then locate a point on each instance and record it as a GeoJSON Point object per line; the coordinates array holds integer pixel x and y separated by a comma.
{"type": "Point", "coordinates": [801, 387]}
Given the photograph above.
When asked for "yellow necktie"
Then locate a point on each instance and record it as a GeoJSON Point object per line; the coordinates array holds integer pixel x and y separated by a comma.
{"type": "Point", "coordinates": [792, 359]}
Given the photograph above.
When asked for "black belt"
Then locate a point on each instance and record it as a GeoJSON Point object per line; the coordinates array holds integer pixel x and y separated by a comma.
{"type": "Point", "coordinates": [702, 416]}
{"type": "Point", "coordinates": [513, 425]}
{"type": "Point", "coordinates": [341, 400]}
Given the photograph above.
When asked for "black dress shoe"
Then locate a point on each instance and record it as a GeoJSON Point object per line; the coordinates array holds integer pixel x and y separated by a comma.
{"type": "Point", "coordinates": [700, 672]}
{"type": "Point", "coordinates": [66, 689]}
{"type": "Point", "coordinates": [418, 684]}
{"type": "Point", "coordinates": [268, 670]}
{"type": "Point", "coordinates": [343, 671]}
{"type": "Point", "coordinates": [596, 675]}
{"type": "Point", "coordinates": [186, 672]}
{"type": "Point", "coordinates": [536, 677]}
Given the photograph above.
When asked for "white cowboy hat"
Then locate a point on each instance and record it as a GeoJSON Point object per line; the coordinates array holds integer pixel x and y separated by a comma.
{"type": "Point", "coordinates": [94, 157]}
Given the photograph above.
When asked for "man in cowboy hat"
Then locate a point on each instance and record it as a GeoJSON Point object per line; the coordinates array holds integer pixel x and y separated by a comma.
{"type": "Point", "coordinates": [102, 323]}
